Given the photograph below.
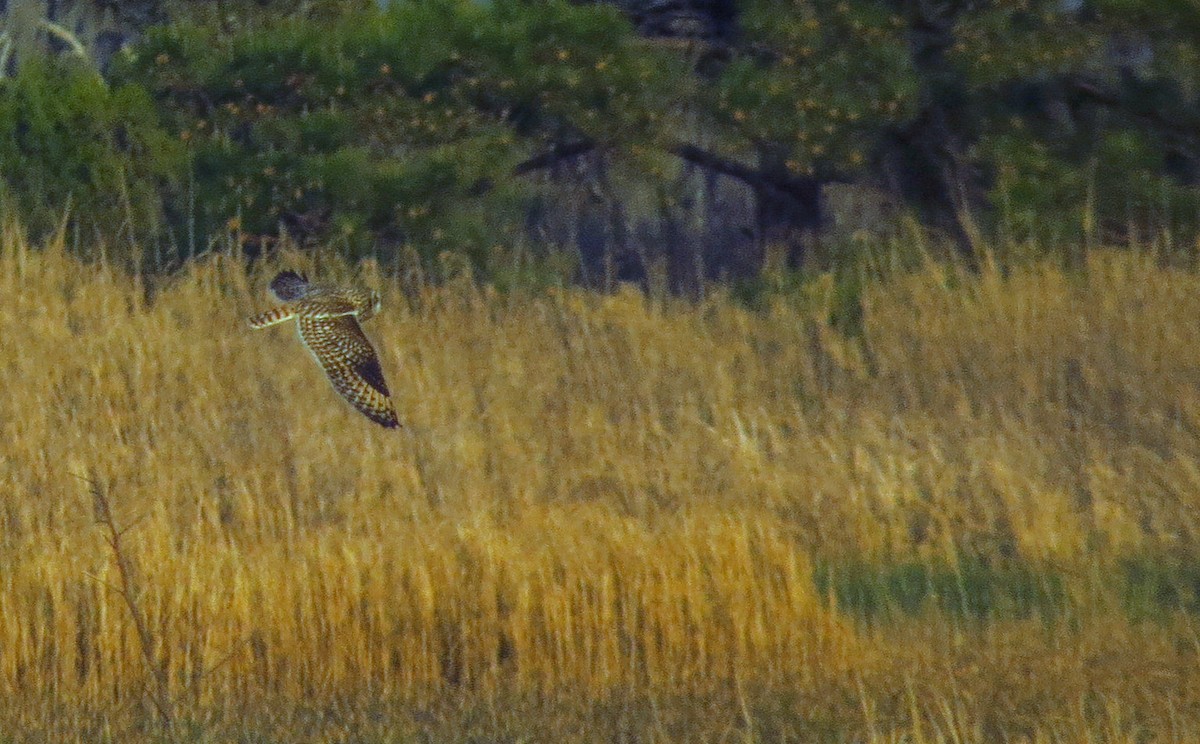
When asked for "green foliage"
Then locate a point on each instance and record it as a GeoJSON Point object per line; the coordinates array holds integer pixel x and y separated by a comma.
{"type": "Point", "coordinates": [403, 127]}
{"type": "Point", "coordinates": [1020, 39]}
{"type": "Point", "coordinates": [826, 83]}
{"type": "Point", "coordinates": [1114, 184]}
{"type": "Point", "coordinates": [1085, 122]}
{"type": "Point", "coordinates": [1162, 16]}
{"type": "Point", "coordinates": [1071, 120]}
{"type": "Point", "coordinates": [1156, 585]}
{"type": "Point", "coordinates": [75, 140]}
{"type": "Point", "coordinates": [340, 122]}
{"type": "Point", "coordinates": [970, 589]}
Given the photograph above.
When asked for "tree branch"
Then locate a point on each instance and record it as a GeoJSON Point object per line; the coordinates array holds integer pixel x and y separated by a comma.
{"type": "Point", "coordinates": [750, 175]}
{"type": "Point", "coordinates": [753, 177]}
{"type": "Point", "coordinates": [554, 156]}
{"type": "Point", "coordinates": [1113, 100]}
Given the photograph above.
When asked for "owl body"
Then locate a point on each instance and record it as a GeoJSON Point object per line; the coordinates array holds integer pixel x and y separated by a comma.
{"type": "Point", "coordinates": [327, 319]}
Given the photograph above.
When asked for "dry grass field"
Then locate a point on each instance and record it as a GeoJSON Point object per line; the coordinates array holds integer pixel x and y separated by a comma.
{"type": "Point", "coordinates": [608, 518]}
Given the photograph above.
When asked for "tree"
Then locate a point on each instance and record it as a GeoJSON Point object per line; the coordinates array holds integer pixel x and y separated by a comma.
{"type": "Point", "coordinates": [32, 30]}
{"type": "Point", "coordinates": [808, 91]}
{"type": "Point", "coordinates": [470, 126]}
{"type": "Point", "coordinates": [404, 127]}
{"type": "Point", "coordinates": [1000, 112]}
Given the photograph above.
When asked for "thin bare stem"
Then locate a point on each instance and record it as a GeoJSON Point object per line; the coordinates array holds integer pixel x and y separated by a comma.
{"type": "Point", "coordinates": [127, 587]}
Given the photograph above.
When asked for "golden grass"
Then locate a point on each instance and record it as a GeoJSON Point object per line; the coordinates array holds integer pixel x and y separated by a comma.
{"type": "Point", "coordinates": [598, 498]}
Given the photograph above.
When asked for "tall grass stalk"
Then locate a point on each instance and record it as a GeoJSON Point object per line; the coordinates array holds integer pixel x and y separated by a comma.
{"type": "Point", "coordinates": [606, 498]}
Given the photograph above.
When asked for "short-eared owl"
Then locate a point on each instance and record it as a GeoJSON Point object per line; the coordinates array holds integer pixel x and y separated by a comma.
{"type": "Point", "coordinates": [327, 319]}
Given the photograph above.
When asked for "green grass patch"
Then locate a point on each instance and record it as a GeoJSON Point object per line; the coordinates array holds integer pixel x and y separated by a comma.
{"type": "Point", "coordinates": [969, 590]}
{"type": "Point", "coordinates": [1154, 586]}
{"type": "Point", "coordinates": [1144, 587]}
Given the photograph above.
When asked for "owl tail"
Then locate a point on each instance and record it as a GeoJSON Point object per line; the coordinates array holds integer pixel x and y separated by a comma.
{"type": "Point", "coordinates": [271, 317]}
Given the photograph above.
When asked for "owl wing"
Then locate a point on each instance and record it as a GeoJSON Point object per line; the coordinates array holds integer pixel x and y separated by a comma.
{"type": "Point", "coordinates": [351, 364]}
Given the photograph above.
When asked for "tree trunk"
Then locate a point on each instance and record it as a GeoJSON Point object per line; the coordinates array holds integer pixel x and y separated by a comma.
{"type": "Point", "coordinates": [789, 212]}
{"type": "Point", "coordinates": [926, 162]}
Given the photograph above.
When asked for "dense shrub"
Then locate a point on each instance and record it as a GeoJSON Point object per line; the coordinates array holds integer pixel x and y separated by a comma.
{"type": "Point", "coordinates": [419, 126]}
{"type": "Point", "coordinates": [1106, 189]}
{"type": "Point", "coordinates": [1038, 116]}
{"type": "Point", "coordinates": [71, 140]}
{"type": "Point", "coordinates": [1086, 119]}
{"type": "Point", "coordinates": [404, 127]}
{"type": "Point", "coordinates": [824, 84]}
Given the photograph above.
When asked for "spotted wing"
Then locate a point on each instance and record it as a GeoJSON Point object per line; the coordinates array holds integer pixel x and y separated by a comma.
{"type": "Point", "coordinates": [351, 364]}
{"type": "Point", "coordinates": [272, 316]}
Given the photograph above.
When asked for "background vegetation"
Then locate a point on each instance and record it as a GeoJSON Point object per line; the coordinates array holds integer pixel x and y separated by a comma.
{"type": "Point", "coordinates": [693, 140]}
{"type": "Point", "coordinates": [884, 427]}
{"type": "Point", "coordinates": [974, 520]}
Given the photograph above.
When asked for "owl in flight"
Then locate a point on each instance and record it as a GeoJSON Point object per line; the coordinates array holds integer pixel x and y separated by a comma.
{"type": "Point", "coordinates": [327, 319]}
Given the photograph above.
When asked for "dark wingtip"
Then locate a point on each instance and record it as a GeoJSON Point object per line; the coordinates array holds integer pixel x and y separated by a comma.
{"type": "Point", "coordinates": [370, 371]}
{"type": "Point", "coordinates": [387, 420]}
